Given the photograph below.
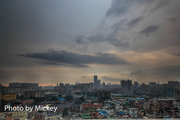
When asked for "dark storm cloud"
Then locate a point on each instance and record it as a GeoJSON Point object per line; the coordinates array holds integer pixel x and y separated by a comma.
{"type": "Point", "coordinates": [126, 18]}
{"type": "Point", "coordinates": [118, 26]}
{"type": "Point", "coordinates": [150, 29]}
{"type": "Point", "coordinates": [127, 28]}
{"type": "Point", "coordinates": [116, 32]}
{"type": "Point", "coordinates": [174, 19]}
{"type": "Point", "coordinates": [135, 21]}
{"type": "Point", "coordinates": [81, 39]}
{"type": "Point", "coordinates": [118, 43]}
{"type": "Point", "coordinates": [159, 4]}
{"type": "Point", "coordinates": [100, 38]}
{"type": "Point", "coordinates": [109, 38]}
{"type": "Point", "coordinates": [64, 57]}
{"type": "Point", "coordinates": [114, 41]}
{"type": "Point", "coordinates": [120, 7]}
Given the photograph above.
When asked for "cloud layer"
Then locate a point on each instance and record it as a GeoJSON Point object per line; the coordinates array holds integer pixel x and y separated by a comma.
{"type": "Point", "coordinates": [139, 25]}
{"type": "Point", "coordinates": [64, 57]}
{"type": "Point", "coordinates": [125, 39]}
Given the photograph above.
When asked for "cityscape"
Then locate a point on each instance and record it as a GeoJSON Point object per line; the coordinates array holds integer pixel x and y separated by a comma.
{"type": "Point", "coordinates": [89, 59]}
{"type": "Point", "coordinates": [93, 100]}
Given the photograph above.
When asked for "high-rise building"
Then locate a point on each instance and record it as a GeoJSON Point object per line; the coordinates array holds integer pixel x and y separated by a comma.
{"type": "Point", "coordinates": [126, 84]}
{"type": "Point", "coordinates": [95, 78]}
{"type": "Point", "coordinates": [173, 84]}
{"type": "Point", "coordinates": [173, 88]}
{"type": "Point", "coordinates": [136, 84]}
{"type": "Point", "coordinates": [23, 85]}
{"type": "Point", "coordinates": [152, 84]}
{"type": "Point", "coordinates": [97, 82]}
{"type": "Point", "coordinates": [61, 84]}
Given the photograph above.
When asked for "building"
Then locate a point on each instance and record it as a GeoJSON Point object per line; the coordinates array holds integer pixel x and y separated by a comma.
{"type": "Point", "coordinates": [18, 115]}
{"type": "Point", "coordinates": [97, 82]}
{"type": "Point", "coordinates": [173, 88]}
{"type": "Point", "coordinates": [152, 84]}
{"type": "Point", "coordinates": [25, 86]}
{"type": "Point", "coordinates": [88, 106]}
{"type": "Point", "coordinates": [104, 94]}
{"type": "Point", "coordinates": [173, 84]}
{"type": "Point", "coordinates": [33, 94]}
{"type": "Point", "coordinates": [126, 84]}
{"type": "Point", "coordinates": [136, 84]}
{"type": "Point", "coordinates": [61, 85]}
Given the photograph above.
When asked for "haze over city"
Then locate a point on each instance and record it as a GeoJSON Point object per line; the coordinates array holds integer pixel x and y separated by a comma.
{"type": "Point", "coordinates": [66, 41]}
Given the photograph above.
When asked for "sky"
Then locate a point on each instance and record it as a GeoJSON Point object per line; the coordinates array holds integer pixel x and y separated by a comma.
{"type": "Point", "coordinates": [68, 41]}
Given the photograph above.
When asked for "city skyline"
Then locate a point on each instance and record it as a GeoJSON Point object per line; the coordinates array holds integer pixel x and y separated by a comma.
{"type": "Point", "coordinates": [49, 42]}
{"type": "Point", "coordinates": [93, 100]}
{"type": "Point", "coordinates": [95, 80]}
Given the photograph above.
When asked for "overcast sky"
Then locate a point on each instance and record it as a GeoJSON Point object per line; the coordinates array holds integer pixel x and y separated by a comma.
{"type": "Point", "coordinates": [71, 40]}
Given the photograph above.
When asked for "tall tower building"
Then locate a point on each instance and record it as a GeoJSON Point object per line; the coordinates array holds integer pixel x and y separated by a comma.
{"type": "Point", "coordinates": [126, 84]}
{"type": "Point", "coordinates": [95, 78]}
{"type": "Point", "coordinates": [96, 82]}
